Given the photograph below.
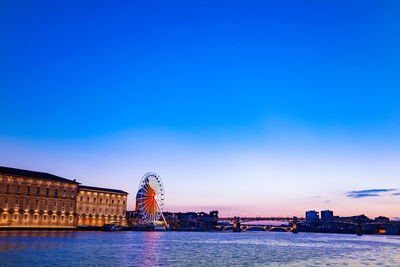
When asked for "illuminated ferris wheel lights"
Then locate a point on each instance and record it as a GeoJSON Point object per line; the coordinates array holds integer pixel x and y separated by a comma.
{"type": "Point", "coordinates": [150, 199]}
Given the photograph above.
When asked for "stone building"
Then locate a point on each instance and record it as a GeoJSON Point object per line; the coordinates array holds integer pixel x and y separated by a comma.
{"type": "Point", "coordinates": [98, 206]}
{"type": "Point", "coordinates": [36, 199]}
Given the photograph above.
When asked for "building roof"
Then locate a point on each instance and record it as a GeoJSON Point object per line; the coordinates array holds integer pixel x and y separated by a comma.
{"type": "Point", "coordinates": [33, 174]}
{"type": "Point", "coordinates": [102, 189]}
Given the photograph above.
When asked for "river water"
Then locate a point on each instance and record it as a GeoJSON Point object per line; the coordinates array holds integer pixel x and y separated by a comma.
{"type": "Point", "coordinates": [196, 249]}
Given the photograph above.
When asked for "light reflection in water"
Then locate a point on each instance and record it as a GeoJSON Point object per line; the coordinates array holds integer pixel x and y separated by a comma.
{"type": "Point", "coordinates": [150, 244]}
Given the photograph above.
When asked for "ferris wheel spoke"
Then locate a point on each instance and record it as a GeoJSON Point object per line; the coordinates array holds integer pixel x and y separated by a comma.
{"type": "Point", "coordinates": [150, 198]}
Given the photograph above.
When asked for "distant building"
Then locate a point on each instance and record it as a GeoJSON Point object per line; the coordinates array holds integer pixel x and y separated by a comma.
{"type": "Point", "coordinates": [98, 206]}
{"type": "Point", "coordinates": [192, 220]}
{"type": "Point", "coordinates": [326, 215]}
{"type": "Point", "coordinates": [312, 215]}
{"type": "Point", "coordinates": [30, 199]}
{"type": "Point", "coordinates": [360, 218]}
{"type": "Point", "coordinates": [382, 219]}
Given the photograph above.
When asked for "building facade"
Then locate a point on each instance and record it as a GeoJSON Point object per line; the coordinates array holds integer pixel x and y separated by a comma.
{"type": "Point", "coordinates": [36, 199]}
{"type": "Point", "coordinates": [312, 215]}
{"type": "Point", "coordinates": [98, 206]}
{"type": "Point", "coordinates": [326, 215]}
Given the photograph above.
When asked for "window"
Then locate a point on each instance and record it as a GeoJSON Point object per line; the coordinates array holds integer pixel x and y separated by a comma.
{"type": "Point", "coordinates": [16, 203]}
{"type": "Point", "coordinates": [123, 202]}
{"type": "Point", "coordinates": [45, 217]}
{"type": "Point", "coordinates": [63, 206]}
{"type": "Point", "coordinates": [15, 217]}
{"type": "Point", "coordinates": [55, 192]}
{"type": "Point", "coordinates": [8, 188]}
{"type": "Point", "coordinates": [45, 205]}
{"type": "Point", "coordinates": [55, 205]}
{"type": "Point", "coordinates": [38, 191]}
{"type": "Point", "coordinates": [94, 200]}
{"type": "Point", "coordinates": [27, 204]}
{"type": "Point", "coordinates": [4, 216]}
{"type": "Point", "coordinates": [62, 218]}
{"type": "Point", "coordinates": [36, 204]}
{"type": "Point", "coordinates": [35, 217]}
{"type": "Point", "coordinates": [87, 210]}
{"type": "Point", "coordinates": [28, 191]}
{"type": "Point", "coordinates": [107, 201]}
{"type": "Point", "coordinates": [112, 201]}
{"type": "Point", "coordinates": [101, 200]}
{"type": "Point", "coordinates": [64, 194]}
{"type": "Point", "coordinates": [18, 188]}
{"type": "Point", "coordinates": [71, 205]}
{"type": "Point", "coordinates": [94, 210]}
{"type": "Point", "coordinates": [47, 191]}
{"type": "Point", "coordinates": [70, 218]}
{"type": "Point", "coordinates": [72, 194]}
{"type": "Point", "coordinates": [88, 200]}
{"type": "Point", "coordinates": [81, 198]}
{"type": "Point", "coordinates": [54, 217]}
{"type": "Point", "coordinates": [118, 201]}
{"type": "Point", "coordinates": [26, 217]}
{"type": "Point", "coordinates": [6, 203]}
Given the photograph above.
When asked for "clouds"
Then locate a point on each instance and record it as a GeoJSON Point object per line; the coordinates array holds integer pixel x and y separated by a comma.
{"type": "Point", "coordinates": [371, 193]}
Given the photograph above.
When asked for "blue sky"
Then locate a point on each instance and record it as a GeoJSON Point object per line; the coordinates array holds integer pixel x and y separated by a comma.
{"type": "Point", "coordinates": [211, 91]}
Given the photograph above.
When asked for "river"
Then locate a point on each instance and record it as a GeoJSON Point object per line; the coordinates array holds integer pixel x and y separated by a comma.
{"type": "Point", "coordinates": [35, 248]}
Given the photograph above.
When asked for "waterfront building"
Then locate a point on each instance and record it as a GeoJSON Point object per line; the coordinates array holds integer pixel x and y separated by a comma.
{"type": "Point", "coordinates": [326, 215]}
{"type": "Point", "coordinates": [192, 220]}
{"type": "Point", "coordinates": [312, 215]}
{"type": "Point", "coordinates": [36, 199]}
{"type": "Point", "coordinates": [98, 206]}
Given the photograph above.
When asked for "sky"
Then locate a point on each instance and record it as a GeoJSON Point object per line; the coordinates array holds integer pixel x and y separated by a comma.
{"type": "Point", "coordinates": [266, 108]}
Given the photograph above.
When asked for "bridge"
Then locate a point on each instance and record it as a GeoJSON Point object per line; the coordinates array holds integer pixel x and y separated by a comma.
{"type": "Point", "coordinates": [254, 219]}
{"type": "Point", "coordinates": [238, 227]}
{"type": "Point", "coordinates": [252, 227]}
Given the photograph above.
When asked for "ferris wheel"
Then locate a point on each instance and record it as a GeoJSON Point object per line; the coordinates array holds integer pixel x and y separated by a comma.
{"type": "Point", "coordinates": [150, 198]}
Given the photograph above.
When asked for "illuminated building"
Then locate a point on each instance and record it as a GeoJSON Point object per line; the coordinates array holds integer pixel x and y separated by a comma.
{"type": "Point", "coordinates": [30, 199]}
{"type": "Point", "coordinates": [36, 199]}
{"type": "Point", "coordinates": [98, 206]}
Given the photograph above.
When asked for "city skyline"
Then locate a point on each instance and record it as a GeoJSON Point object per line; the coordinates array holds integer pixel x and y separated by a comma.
{"type": "Point", "coordinates": [257, 109]}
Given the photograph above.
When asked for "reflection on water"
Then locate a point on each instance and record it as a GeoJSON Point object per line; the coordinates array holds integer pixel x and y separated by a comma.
{"type": "Point", "coordinates": [23, 248]}
{"type": "Point", "coordinates": [46, 233]}
{"type": "Point", "coordinates": [149, 251]}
